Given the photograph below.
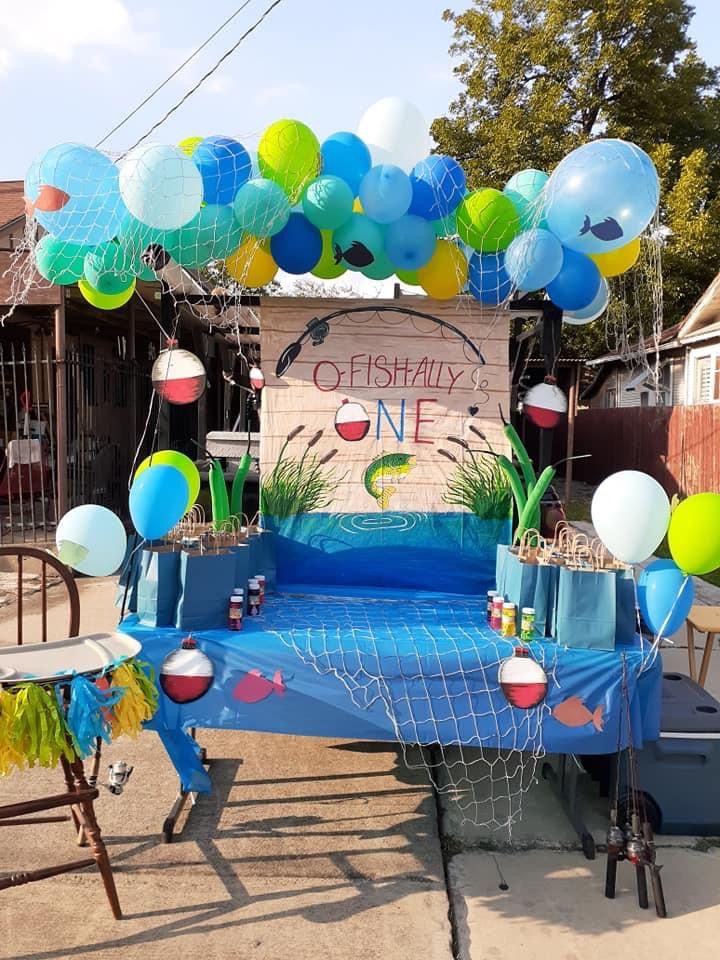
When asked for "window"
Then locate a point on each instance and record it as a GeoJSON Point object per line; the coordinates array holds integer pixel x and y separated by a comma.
{"type": "Point", "coordinates": [645, 399]}
{"type": "Point", "coordinates": [707, 378]}
{"type": "Point", "coordinates": [611, 398]}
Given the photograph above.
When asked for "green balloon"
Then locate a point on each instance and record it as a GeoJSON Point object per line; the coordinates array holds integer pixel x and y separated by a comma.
{"type": "Point", "coordinates": [694, 534]}
{"type": "Point", "coordinates": [289, 154]}
{"type": "Point", "coordinates": [60, 262]}
{"type": "Point", "coordinates": [212, 234]}
{"type": "Point", "coordinates": [487, 221]}
{"type": "Point", "coordinates": [326, 268]}
{"type": "Point", "coordinates": [107, 269]}
{"type": "Point", "coordinates": [409, 277]}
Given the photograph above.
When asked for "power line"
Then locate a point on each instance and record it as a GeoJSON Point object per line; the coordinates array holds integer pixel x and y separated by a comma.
{"type": "Point", "coordinates": [202, 80]}
{"type": "Point", "coordinates": [167, 80]}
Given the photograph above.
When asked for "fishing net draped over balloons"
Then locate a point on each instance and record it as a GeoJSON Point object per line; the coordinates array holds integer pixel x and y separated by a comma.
{"type": "Point", "coordinates": [375, 202]}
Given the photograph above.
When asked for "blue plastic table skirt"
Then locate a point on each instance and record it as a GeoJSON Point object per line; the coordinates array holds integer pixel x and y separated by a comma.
{"type": "Point", "coordinates": [420, 671]}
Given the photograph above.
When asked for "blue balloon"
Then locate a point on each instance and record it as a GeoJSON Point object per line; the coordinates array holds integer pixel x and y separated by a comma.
{"type": "Point", "coordinates": [438, 185]}
{"type": "Point", "coordinates": [75, 193]}
{"type": "Point", "coordinates": [577, 284]}
{"type": "Point", "coordinates": [593, 310]}
{"type": "Point", "coordinates": [410, 242]}
{"type": "Point", "coordinates": [488, 281]}
{"type": "Point", "coordinates": [385, 193]}
{"type": "Point", "coordinates": [525, 189]}
{"type": "Point", "coordinates": [533, 259]}
{"type": "Point", "coordinates": [224, 166]}
{"type": "Point", "coordinates": [298, 246]}
{"type": "Point", "coordinates": [358, 243]}
{"type": "Point", "coordinates": [346, 156]}
{"type": "Point", "coordinates": [601, 196]}
{"type": "Point", "coordinates": [158, 499]}
{"type": "Point", "coordinates": [665, 596]}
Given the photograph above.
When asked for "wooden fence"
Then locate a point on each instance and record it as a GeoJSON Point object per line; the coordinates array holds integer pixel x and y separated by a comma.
{"type": "Point", "coordinates": [679, 446]}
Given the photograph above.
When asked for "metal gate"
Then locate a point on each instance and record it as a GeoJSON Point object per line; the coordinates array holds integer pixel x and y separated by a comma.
{"type": "Point", "coordinates": [106, 398]}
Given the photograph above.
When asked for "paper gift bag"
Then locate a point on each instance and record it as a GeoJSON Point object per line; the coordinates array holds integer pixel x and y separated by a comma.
{"type": "Point", "coordinates": [268, 565]}
{"type": "Point", "coordinates": [528, 583]}
{"type": "Point", "coordinates": [126, 593]}
{"type": "Point", "coordinates": [157, 589]}
{"type": "Point", "coordinates": [243, 556]}
{"type": "Point", "coordinates": [206, 583]}
{"type": "Point", "coordinates": [626, 624]}
{"type": "Point", "coordinates": [586, 608]}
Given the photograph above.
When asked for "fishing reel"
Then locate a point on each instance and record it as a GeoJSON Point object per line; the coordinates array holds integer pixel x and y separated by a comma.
{"type": "Point", "coordinates": [118, 776]}
{"type": "Point", "coordinates": [635, 845]}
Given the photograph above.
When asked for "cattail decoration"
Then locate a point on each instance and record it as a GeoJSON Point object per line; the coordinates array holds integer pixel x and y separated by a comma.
{"type": "Point", "coordinates": [326, 458]}
{"type": "Point", "coordinates": [477, 431]}
{"type": "Point", "coordinates": [313, 440]}
{"type": "Point", "coordinates": [448, 455]}
{"type": "Point", "coordinates": [294, 433]}
{"type": "Point", "coordinates": [460, 442]}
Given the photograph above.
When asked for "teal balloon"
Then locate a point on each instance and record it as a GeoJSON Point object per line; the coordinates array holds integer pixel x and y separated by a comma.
{"type": "Point", "coordinates": [601, 196]}
{"type": "Point", "coordinates": [212, 234]}
{"type": "Point", "coordinates": [358, 243]}
{"type": "Point", "coordinates": [158, 499]}
{"type": "Point", "coordinates": [58, 261]}
{"type": "Point", "coordinates": [134, 238]}
{"type": "Point", "coordinates": [328, 203]}
{"type": "Point", "coordinates": [385, 193]}
{"type": "Point", "coordinates": [410, 242]}
{"type": "Point", "coordinates": [107, 269]}
{"type": "Point", "coordinates": [380, 269]}
{"type": "Point", "coordinates": [445, 226]}
{"type": "Point", "coordinates": [525, 189]}
{"type": "Point", "coordinates": [261, 207]}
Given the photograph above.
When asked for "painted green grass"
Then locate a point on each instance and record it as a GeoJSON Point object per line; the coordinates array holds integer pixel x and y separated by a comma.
{"type": "Point", "coordinates": [479, 484]}
{"type": "Point", "coordinates": [299, 486]}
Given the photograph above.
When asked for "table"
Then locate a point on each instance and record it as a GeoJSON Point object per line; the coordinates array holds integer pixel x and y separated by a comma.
{"type": "Point", "coordinates": [409, 670]}
{"type": "Point", "coordinates": [705, 620]}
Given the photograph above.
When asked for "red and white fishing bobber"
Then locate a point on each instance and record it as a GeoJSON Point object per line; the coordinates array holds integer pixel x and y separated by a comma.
{"type": "Point", "coordinates": [186, 673]}
{"type": "Point", "coordinates": [257, 379]}
{"type": "Point", "coordinates": [545, 404]}
{"type": "Point", "coordinates": [352, 421]}
{"type": "Point", "coordinates": [178, 376]}
{"type": "Point", "coordinates": [522, 680]}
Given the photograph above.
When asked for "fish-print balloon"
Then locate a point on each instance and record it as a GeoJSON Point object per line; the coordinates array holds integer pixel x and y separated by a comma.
{"type": "Point", "coordinates": [601, 196]}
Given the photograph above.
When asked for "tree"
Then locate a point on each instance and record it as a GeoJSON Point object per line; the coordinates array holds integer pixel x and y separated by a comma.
{"type": "Point", "coordinates": [542, 76]}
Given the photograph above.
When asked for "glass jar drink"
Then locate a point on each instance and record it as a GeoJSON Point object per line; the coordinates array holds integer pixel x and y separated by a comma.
{"type": "Point", "coordinates": [235, 612]}
{"type": "Point", "coordinates": [253, 598]}
{"type": "Point", "coordinates": [496, 615]}
{"type": "Point", "coordinates": [491, 594]}
{"type": "Point", "coordinates": [508, 627]}
{"type": "Point", "coordinates": [527, 623]}
{"type": "Point", "coordinates": [260, 577]}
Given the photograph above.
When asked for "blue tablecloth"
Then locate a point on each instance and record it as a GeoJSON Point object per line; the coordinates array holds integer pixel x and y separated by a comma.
{"type": "Point", "coordinates": [418, 671]}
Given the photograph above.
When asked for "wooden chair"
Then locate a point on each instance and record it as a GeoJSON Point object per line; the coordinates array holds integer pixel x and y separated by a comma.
{"type": "Point", "coordinates": [704, 619]}
{"type": "Point", "coordinates": [79, 796]}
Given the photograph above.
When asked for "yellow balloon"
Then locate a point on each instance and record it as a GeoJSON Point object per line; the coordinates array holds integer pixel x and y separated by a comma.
{"type": "Point", "coordinates": [188, 145]}
{"type": "Point", "coordinates": [326, 268]}
{"type": "Point", "coordinates": [252, 264]}
{"type": "Point", "coordinates": [105, 301]}
{"type": "Point", "coordinates": [618, 261]}
{"type": "Point", "coordinates": [446, 272]}
{"type": "Point", "coordinates": [357, 206]}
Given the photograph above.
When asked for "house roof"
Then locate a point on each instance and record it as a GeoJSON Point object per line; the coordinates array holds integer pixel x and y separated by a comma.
{"type": "Point", "coordinates": [12, 203]}
{"type": "Point", "coordinates": [706, 311]}
{"type": "Point", "coordinates": [669, 339]}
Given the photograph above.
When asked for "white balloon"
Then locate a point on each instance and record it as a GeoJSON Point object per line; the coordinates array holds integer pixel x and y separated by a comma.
{"type": "Point", "coordinates": [396, 133]}
{"type": "Point", "coordinates": [91, 540]}
{"type": "Point", "coordinates": [161, 186]}
{"type": "Point", "coordinates": [631, 513]}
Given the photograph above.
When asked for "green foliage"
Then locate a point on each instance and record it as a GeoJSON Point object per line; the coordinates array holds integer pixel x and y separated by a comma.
{"type": "Point", "coordinates": [480, 485]}
{"type": "Point", "coordinates": [299, 486]}
{"type": "Point", "coordinates": [539, 77]}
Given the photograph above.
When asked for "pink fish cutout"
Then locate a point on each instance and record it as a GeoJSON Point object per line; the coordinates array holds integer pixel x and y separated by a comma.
{"type": "Point", "coordinates": [573, 713]}
{"type": "Point", "coordinates": [254, 687]}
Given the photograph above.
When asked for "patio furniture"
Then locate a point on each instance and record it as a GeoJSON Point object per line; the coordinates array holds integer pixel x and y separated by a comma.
{"type": "Point", "coordinates": [705, 620]}
{"type": "Point", "coordinates": [79, 796]}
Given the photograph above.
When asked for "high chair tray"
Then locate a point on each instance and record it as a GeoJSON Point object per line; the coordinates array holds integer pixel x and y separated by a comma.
{"type": "Point", "coordinates": [90, 653]}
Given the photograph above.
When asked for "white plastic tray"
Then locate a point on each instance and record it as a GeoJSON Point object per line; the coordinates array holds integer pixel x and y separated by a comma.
{"type": "Point", "coordinates": [45, 661]}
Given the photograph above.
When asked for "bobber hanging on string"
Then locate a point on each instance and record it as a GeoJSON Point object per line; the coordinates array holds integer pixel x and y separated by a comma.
{"type": "Point", "coordinates": [522, 680]}
{"type": "Point", "coordinates": [178, 376]}
{"type": "Point", "coordinates": [257, 379]}
{"type": "Point", "coordinates": [545, 404]}
{"type": "Point", "coordinates": [187, 673]}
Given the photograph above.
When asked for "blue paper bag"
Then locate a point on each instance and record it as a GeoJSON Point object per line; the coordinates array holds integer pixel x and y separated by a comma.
{"type": "Point", "coordinates": [157, 588]}
{"type": "Point", "coordinates": [126, 593]}
{"type": "Point", "coordinates": [530, 585]}
{"type": "Point", "coordinates": [626, 625]}
{"type": "Point", "coordinates": [206, 583]}
{"type": "Point", "coordinates": [586, 608]}
{"type": "Point", "coordinates": [268, 565]}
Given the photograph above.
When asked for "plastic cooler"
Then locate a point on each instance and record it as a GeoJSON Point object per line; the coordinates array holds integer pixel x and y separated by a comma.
{"type": "Point", "coordinates": [680, 772]}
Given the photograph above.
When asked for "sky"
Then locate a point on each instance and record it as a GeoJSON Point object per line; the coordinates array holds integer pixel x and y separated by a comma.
{"type": "Point", "coordinates": [71, 69]}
